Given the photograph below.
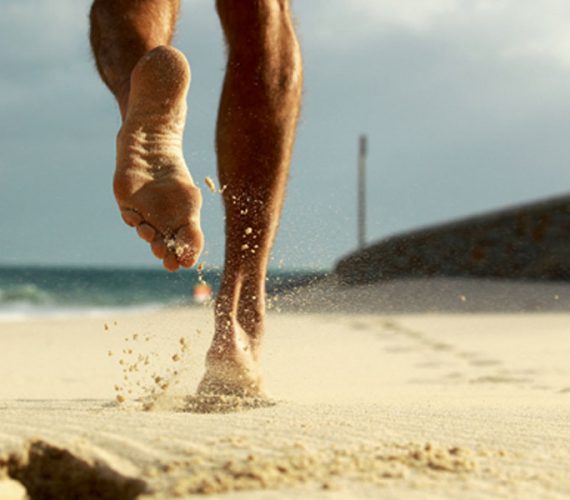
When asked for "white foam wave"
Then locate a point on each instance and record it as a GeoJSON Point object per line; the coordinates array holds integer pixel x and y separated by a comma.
{"type": "Point", "coordinates": [17, 312]}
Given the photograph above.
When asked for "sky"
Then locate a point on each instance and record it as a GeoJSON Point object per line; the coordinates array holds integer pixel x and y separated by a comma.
{"type": "Point", "coordinates": [466, 104]}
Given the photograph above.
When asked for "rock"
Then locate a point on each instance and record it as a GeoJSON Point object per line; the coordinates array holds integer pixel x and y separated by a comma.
{"type": "Point", "coordinates": [525, 242]}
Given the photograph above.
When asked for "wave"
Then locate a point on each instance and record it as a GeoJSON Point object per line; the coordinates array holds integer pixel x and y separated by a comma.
{"type": "Point", "coordinates": [24, 312]}
{"type": "Point", "coordinates": [19, 302]}
{"type": "Point", "coordinates": [27, 294]}
{"type": "Point", "coordinates": [30, 292]}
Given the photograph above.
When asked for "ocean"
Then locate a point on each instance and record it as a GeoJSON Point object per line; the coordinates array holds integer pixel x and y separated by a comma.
{"type": "Point", "coordinates": [27, 292]}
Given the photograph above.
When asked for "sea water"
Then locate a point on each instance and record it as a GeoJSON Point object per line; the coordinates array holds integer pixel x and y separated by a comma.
{"type": "Point", "coordinates": [62, 291]}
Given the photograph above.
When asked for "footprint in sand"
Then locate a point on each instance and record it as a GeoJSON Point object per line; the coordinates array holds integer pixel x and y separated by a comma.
{"type": "Point", "coordinates": [439, 346]}
{"type": "Point", "coordinates": [399, 349]}
{"type": "Point", "coordinates": [484, 362]}
{"type": "Point", "coordinates": [499, 379]}
{"type": "Point", "coordinates": [468, 355]}
{"type": "Point", "coordinates": [359, 325]}
{"type": "Point", "coordinates": [430, 364]}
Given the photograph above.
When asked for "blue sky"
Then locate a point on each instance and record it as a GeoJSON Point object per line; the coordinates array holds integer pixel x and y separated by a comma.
{"type": "Point", "coordinates": [466, 104]}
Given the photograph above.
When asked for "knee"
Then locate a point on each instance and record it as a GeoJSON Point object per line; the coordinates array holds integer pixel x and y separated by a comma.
{"type": "Point", "coordinates": [103, 13]}
{"type": "Point", "coordinates": [98, 16]}
{"type": "Point", "coordinates": [253, 22]}
{"type": "Point", "coordinates": [100, 9]}
{"type": "Point", "coordinates": [260, 33]}
{"type": "Point", "coordinates": [237, 15]}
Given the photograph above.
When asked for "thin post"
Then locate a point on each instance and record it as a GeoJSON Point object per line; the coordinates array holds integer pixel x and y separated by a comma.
{"type": "Point", "coordinates": [362, 152]}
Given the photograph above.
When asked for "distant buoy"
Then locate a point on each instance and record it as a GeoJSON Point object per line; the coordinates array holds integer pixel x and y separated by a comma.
{"type": "Point", "coordinates": [202, 293]}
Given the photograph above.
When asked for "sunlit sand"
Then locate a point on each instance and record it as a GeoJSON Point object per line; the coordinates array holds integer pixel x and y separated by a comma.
{"type": "Point", "coordinates": [398, 406]}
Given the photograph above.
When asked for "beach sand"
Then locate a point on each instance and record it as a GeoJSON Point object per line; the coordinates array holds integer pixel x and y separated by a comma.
{"type": "Point", "coordinates": [392, 406]}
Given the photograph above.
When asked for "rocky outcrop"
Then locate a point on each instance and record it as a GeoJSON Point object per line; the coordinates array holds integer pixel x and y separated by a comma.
{"type": "Point", "coordinates": [525, 242]}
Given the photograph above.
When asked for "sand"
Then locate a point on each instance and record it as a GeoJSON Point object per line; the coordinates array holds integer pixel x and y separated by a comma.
{"type": "Point", "coordinates": [392, 406]}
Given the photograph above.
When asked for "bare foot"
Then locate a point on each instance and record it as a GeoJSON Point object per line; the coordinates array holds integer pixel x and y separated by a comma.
{"type": "Point", "coordinates": [232, 363]}
{"type": "Point", "coordinates": [152, 184]}
{"type": "Point", "coordinates": [235, 374]}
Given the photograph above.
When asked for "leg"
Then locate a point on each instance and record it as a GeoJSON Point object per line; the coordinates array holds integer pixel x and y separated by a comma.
{"type": "Point", "coordinates": [150, 80]}
{"type": "Point", "coordinates": [256, 129]}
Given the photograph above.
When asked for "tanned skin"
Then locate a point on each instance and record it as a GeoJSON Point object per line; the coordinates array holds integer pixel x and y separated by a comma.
{"type": "Point", "coordinates": [257, 121]}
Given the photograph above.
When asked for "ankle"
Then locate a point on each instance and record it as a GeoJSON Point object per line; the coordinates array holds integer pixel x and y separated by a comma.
{"type": "Point", "coordinates": [251, 316]}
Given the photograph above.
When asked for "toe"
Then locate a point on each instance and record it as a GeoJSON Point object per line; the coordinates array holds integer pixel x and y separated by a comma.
{"type": "Point", "coordinates": [146, 232]}
{"type": "Point", "coordinates": [189, 242]}
{"type": "Point", "coordinates": [158, 247]}
{"type": "Point", "coordinates": [170, 262]}
{"type": "Point", "coordinates": [131, 217]}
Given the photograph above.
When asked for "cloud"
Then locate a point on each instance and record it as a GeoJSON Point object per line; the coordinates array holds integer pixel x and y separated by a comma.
{"type": "Point", "coordinates": [413, 15]}
{"type": "Point", "coordinates": [508, 29]}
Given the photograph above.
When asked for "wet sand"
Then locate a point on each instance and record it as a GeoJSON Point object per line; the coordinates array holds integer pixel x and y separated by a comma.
{"type": "Point", "coordinates": [402, 406]}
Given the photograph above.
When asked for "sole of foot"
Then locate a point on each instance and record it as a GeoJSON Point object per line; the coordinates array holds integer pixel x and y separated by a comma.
{"type": "Point", "coordinates": [153, 187]}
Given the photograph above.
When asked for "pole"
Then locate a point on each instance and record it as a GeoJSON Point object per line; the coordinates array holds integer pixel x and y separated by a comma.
{"type": "Point", "coordinates": [362, 152]}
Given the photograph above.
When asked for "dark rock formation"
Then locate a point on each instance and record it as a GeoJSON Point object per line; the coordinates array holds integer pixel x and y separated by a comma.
{"type": "Point", "coordinates": [525, 242]}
